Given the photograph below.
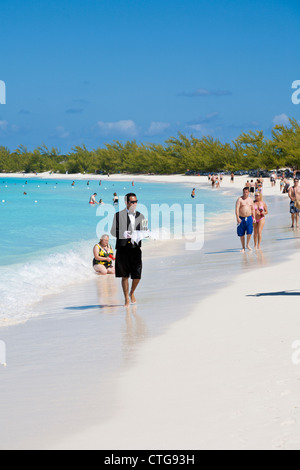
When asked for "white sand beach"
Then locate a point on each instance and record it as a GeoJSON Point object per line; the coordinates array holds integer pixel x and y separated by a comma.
{"type": "Point", "coordinates": [223, 378]}
{"type": "Point", "coordinates": [205, 361]}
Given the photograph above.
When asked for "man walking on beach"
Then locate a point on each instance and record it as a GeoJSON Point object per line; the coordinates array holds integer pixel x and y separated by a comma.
{"type": "Point", "coordinates": [294, 195]}
{"type": "Point", "coordinates": [244, 217]}
{"type": "Point", "coordinates": [129, 254]}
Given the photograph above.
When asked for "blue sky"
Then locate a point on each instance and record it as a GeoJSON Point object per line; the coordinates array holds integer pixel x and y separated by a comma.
{"type": "Point", "coordinates": [89, 72]}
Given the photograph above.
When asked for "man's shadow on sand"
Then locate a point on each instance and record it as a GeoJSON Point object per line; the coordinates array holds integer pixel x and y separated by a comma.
{"type": "Point", "coordinates": [90, 307]}
{"type": "Point", "coordinates": [277, 294]}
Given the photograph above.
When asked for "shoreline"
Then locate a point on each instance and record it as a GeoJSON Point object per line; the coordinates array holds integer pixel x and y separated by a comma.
{"type": "Point", "coordinates": [151, 250]}
{"type": "Point", "coordinates": [160, 245]}
{"type": "Point", "coordinates": [201, 181]}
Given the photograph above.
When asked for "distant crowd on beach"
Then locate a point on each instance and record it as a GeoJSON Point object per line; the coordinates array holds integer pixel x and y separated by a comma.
{"type": "Point", "coordinates": [251, 209]}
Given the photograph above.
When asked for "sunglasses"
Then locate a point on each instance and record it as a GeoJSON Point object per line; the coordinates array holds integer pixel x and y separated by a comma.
{"type": "Point", "coordinates": [133, 202]}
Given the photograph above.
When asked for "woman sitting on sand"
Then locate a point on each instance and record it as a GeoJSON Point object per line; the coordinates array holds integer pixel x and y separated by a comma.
{"type": "Point", "coordinates": [103, 257]}
{"type": "Point", "coordinates": [260, 210]}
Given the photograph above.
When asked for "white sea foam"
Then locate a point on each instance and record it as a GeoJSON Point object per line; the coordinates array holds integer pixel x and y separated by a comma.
{"type": "Point", "coordinates": [22, 286]}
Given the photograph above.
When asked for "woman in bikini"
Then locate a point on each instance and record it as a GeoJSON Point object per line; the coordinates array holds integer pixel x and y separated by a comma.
{"type": "Point", "coordinates": [103, 257]}
{"type": "Point", "coordinates": [260, 210]}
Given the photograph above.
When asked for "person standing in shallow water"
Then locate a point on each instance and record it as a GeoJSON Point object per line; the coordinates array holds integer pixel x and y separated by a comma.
{"type": "Point", "coordinates": [260, 210]}
{"type": "Point", "coordinates": [93, 199]}
{"type": "Point", "coordinates": [116, 199]}
{"type": "Point", "coordinates": [244, 217]}
{"type": "Point", "coordinates": [129, 255]}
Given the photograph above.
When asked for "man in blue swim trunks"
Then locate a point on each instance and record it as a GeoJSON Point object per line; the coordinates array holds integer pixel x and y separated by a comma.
{"type": "Point", "coordinates": [244, 217]}
{"type": "Point", "coordinates": [294, 194]}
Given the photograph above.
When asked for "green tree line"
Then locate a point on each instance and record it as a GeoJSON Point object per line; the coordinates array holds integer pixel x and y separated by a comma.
{"type": "Point", "coordinates": [250, 150]}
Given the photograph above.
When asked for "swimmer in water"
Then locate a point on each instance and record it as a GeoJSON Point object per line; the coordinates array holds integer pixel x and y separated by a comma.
{"type": "Point", "coordinates": [93, 199]}
{"type": "Point", "coordinates": [193, 195]}
{"type": "Point", "coordinates": [116, 199]}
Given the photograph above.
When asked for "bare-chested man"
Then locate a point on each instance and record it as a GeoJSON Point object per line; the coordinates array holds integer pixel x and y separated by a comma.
{"type": "Point", "coordinates": [244, 217]}
{"type": "Point", "coordinates": [294, 194]}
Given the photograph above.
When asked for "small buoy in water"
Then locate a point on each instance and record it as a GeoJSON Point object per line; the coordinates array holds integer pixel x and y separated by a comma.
{"type": "Point", "coordinates": [35, 202]}
{"type": "Point", "coordinates": [3, 200]}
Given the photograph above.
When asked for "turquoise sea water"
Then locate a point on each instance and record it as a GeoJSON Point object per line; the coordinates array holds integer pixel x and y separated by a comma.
{"type": "Point", "coordinates": [47, 236]}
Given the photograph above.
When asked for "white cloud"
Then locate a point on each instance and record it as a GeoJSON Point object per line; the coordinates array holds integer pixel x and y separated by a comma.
{"type": "Point", "coordinates": [157, 128]}
{"type": "Point", "coordinates": [61, 133]}
{"type": "Point", "coordinates": [197, 128]}
{"type": "Point", "coordinates": [205, 92]}
{"type": "Point", "coordinates": [281, 120]}
{"type": "Point", "coordinates": [119, 127]}
{"type": "Point", "coordinates": [3, 125]}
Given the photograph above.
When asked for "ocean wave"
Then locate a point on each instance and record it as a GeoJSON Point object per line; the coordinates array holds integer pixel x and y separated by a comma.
{"type": "Point", "coordinates": [23, 286]}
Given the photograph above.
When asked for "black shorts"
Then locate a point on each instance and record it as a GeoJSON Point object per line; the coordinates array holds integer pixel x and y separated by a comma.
{"type": "Point", "coordinates": [129, 263]}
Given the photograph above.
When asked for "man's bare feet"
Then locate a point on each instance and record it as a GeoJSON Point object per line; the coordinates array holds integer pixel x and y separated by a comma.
{"type": "Point", "coordinates": [133, 299]}
{"type": "Point", "coordinates": [127, 302]}
{"type": "Point", "coordinates": [249, 248]}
